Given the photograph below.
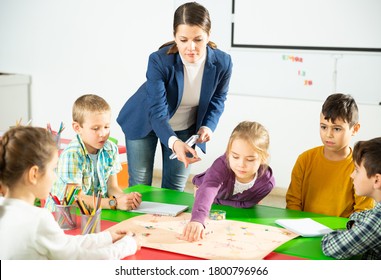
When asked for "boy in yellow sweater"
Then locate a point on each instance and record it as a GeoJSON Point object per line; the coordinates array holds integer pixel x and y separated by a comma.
{"type": "Point", "coordinates": [320, 180]}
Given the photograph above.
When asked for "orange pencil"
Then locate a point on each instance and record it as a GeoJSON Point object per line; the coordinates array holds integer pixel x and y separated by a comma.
{"type": "Point", "coordinates": [84, 207]}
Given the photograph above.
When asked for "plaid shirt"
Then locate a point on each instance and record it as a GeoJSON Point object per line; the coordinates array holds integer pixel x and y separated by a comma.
{"type": "Point", "coordinates": [362, 237]}
{"type": "Point", "coordinates": [76, 166]}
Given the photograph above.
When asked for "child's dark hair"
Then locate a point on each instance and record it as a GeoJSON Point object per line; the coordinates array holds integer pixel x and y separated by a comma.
{"type": "Point", "coordinates": [369, 154]}
{"type": "Point", "coordinates": [341, 106]}
{"type": "Point", "coordinates": [21, 148]}
{"type": "Point", "coordinates": [192, 14]}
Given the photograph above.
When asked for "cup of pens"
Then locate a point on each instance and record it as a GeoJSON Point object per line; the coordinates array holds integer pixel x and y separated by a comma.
{"type": "Point", "coordinates": [91, 223]}
{"type": "Point", "coordinates": [90, 217]}
{"type": "Point", "coordinates": [56, 134]}
{"type": "Point", "coordinates": [65, 215]}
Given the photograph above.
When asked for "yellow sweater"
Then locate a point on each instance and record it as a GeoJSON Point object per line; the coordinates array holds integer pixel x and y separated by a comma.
{"type": "Point", "coordinates": [323, 186]}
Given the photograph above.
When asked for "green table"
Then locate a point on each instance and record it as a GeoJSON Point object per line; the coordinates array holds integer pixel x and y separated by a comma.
{"type": "Point", "coordinates": [302, 247]}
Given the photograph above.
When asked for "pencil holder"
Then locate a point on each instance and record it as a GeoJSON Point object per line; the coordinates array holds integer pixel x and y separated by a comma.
{"type": "Point", "coordinates": [91, 223]}
{"type": "Point", "coordinates": [57, 139]}
{"type": "Point", "coordinates": [65, 216]}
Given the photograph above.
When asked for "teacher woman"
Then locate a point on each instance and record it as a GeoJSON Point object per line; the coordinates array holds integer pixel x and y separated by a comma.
{"type": "Point", "coordinates": [184, 94]}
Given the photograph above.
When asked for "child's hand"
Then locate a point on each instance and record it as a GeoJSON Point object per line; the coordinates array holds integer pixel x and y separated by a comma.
{"type": "Point", "coordinates": [119, 234]}
{"type": "Point", "coordinates": [139, 242]}
{"type": "Point", "coordinates": [129, 201]}
{"type": "Point", "coordinates": [193, 231]}
{"type": "Point", "coordinates": [134, 200]}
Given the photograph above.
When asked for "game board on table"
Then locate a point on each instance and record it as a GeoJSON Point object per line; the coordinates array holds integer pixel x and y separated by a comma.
{"type": "Point", "coordinates": [225, 239]}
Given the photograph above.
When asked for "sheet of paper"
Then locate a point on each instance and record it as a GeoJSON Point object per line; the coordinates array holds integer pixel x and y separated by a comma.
{"type": "Point", "coordinates": [158, 208]}
{"type": "Point", "coordinates": [305, 227]}
{"type": "Point", "coordinates": [224, 239]}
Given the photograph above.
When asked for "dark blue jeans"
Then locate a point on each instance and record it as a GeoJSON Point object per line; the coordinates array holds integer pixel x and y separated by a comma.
{"type": "Point", "coordinates": [141, 155]}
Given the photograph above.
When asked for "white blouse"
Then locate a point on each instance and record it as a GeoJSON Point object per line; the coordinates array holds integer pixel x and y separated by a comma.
{"type": "Point", "coordinates": [185, 115]}
{"type": "Point", "coordinates": [30, 232]}
{"type": "Point", "coordinates": [241, 187]}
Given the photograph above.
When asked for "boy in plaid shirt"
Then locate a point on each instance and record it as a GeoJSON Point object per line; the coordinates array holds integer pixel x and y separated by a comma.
{"type": "Point", "coordinates": [363, 235]}
{"type": "Point", "coordinates": [91, 160]}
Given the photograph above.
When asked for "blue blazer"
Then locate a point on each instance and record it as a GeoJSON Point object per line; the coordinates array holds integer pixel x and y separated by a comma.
{"type": "Point", "coordinates": [157, 100]}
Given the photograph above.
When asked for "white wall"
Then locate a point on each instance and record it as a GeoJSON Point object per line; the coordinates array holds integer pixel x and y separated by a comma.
{"type": "Point", "coordinates": [79, 46]}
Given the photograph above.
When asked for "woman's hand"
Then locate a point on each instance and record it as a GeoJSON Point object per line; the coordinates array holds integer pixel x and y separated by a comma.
{"type": "Point", "coordinates": [205, 134]}
{"type": "Point", "coordinates": [181, 149]}
{"type": "Point", "coordinates": [193, 231]}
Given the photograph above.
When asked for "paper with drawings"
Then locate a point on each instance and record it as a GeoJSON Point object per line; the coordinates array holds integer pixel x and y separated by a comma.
{"type": "Point", "coordinates": [225, 239]}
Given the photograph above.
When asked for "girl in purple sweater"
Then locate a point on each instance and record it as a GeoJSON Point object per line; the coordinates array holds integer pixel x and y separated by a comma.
{"type": "Point", "coordinates": [239, 178]}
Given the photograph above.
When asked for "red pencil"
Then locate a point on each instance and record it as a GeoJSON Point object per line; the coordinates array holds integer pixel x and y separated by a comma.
{"type": "Point", "coordinates": [55, 199]}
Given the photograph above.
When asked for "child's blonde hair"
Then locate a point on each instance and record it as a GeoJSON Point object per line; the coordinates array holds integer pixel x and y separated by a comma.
{"type": "Point", "coordinates": [88, 103]}
{"type": "Point", "coordinates": [256, 135]}
{"type": "Point", "coordinates": [21, 148]}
